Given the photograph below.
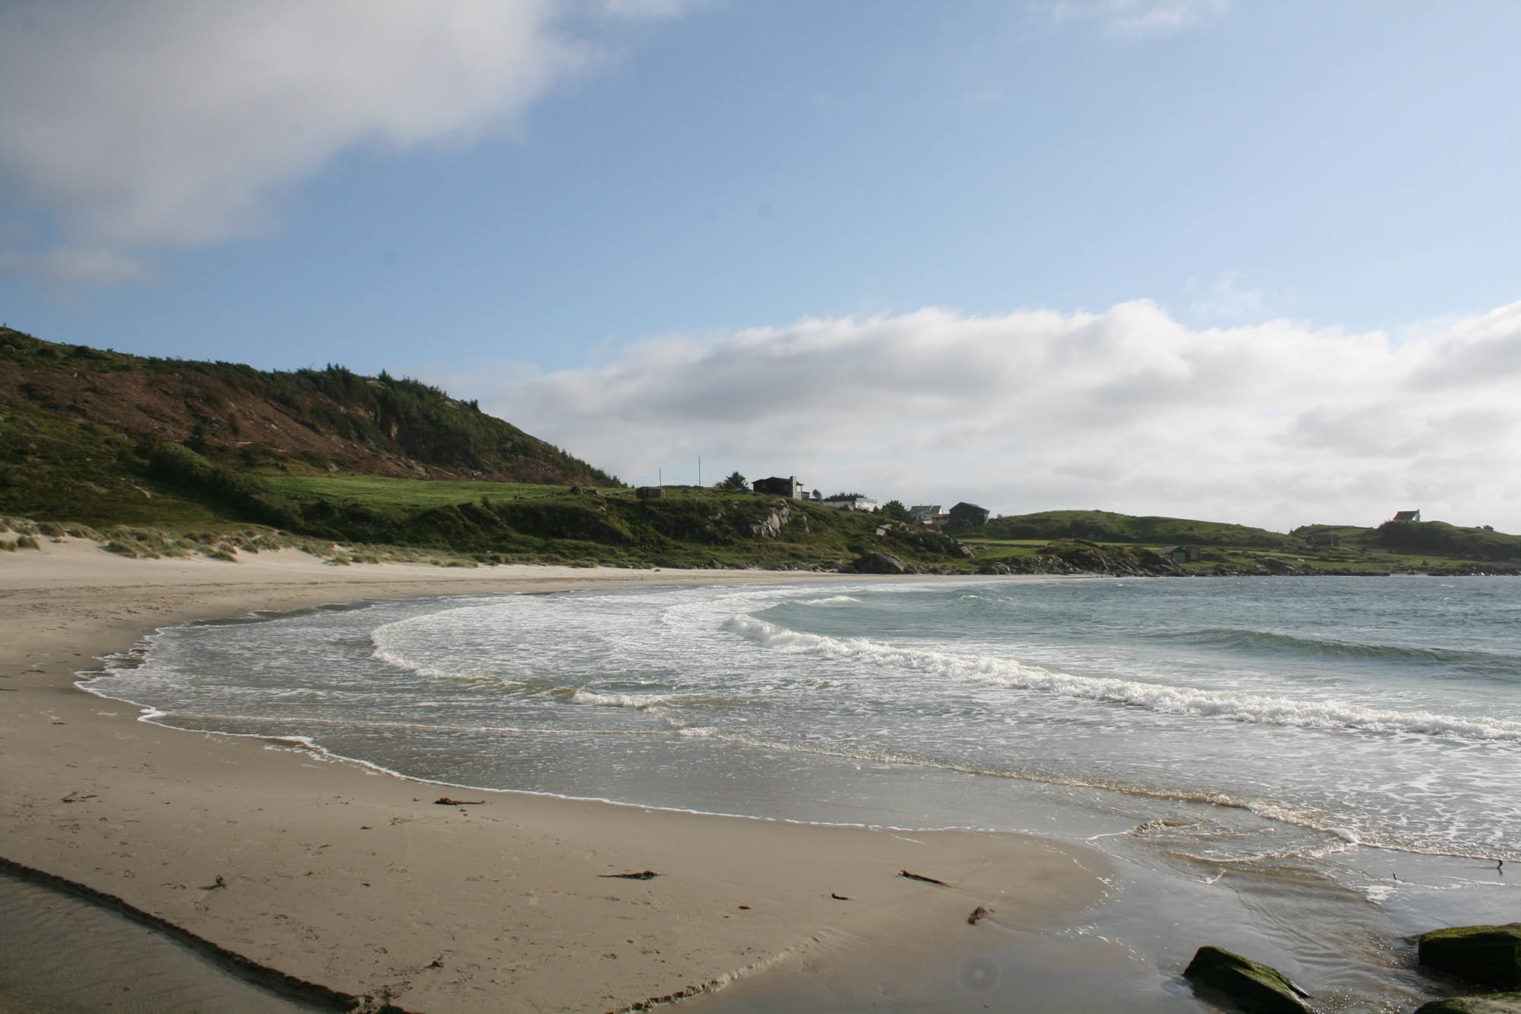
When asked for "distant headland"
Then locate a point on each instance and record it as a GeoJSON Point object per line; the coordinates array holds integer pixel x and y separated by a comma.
{"type": "Point", "coordinates": [164, 457]}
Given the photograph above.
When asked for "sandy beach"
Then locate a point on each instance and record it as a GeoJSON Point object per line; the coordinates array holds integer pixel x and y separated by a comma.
{"type": "Point", "coordinates": [363, 883]}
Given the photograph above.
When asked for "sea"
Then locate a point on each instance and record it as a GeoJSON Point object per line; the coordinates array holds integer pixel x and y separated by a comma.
{"type": "Point", "coordinates": [1306, 770]}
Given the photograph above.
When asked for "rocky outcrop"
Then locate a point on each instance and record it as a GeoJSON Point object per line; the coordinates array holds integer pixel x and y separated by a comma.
{"type": "Point", "coordinates": [1484, 955]}
{"type": "Point", "coordinates": [879, 563]}
{"type": "Point", "coordinates": [1079, 556]}
{"type": "Point", "coordinates": [1249, 984]}
{"type": "Point", "coordinates": [1493, 1003]}
{"type": "Point", "coordinates": [770, 526]}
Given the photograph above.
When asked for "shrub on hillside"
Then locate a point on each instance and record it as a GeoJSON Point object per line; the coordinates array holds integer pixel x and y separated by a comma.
{"type": "Point", "coordinates": [250, 494]}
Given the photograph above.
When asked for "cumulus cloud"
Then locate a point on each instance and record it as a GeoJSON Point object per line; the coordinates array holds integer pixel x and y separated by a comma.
{"type": "Point", "coordinates": [151, 123]}
{"type": "Point", "coordinates": [1276, 423]}
{"type": "Point", "coordinates": [1138, 18]}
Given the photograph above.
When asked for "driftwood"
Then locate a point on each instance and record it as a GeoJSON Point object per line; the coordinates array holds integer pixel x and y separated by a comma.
{"type": "Point", "coordinates": [838, 897]}
{"type": "Point", "coordinates": [446, 801]}
{"type": "Point", "coordinates": [641, 875]}
{"type": "Point", "coordinates": [221, 881]}
{"type": "Point", "coordinates": [978, 914]}
{"type": "Point", "coordinates": [927, 880]}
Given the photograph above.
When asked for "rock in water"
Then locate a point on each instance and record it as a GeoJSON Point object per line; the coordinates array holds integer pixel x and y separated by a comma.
{"type": "Point", "coordinates": [1251, 985]}
{"type": "Point", "coordinates": [1487, 955]}
{"type": "Point", "coordinates": [1494, 1003]}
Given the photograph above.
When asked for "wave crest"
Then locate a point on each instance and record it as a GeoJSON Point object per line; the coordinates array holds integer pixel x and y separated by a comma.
{"type": "Point", "coordinates": [1157, 697]}
{"type": "Point", "coordinates": [639, 702]}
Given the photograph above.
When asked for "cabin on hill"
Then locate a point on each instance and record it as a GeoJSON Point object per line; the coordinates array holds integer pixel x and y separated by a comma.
{"type": "Point", "coordinates": [967, 515]}
{"type": "Point", "coordinates": [850, 502]}
{"type": "Point", "coordinates": [1407, 517]}
{"type": "Point", "coordinates": [1182, 554]}
{"type": "Point", "coordinates": [778, 486]}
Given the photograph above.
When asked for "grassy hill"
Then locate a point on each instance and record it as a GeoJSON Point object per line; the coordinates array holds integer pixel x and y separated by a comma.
{"type": "Point", "coordinates": [106, 439]}
{"type": "Point", "coordinates": [1104, 526]}
{"type": "Point", "coordinates": [79, 426]}
{"type": "Point", "coordinates": [1431, 546]}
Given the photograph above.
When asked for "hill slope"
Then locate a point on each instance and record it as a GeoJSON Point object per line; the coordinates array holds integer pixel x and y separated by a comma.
{"type": "Point", "coordinates": [79, 425]}
{"type": "Point", "coordinates": [1105, 526]}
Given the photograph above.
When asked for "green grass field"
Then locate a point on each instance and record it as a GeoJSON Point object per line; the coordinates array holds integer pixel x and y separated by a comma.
{"type": "Point", "coordinates": [383, 491]}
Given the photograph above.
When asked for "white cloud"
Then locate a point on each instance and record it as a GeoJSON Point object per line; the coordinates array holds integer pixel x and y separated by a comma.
{"type": "Point", "coordinates": [1276, 423]}
{"type": "Point", "coordinates": [1138, 18]}
{"type": "Point", "coordinates": [88, 265]}
{"type": "Point", "coordinates": [149, 123]}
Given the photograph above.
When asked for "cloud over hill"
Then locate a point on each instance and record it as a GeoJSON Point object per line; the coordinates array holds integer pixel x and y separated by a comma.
{"type": "Point", "coordinates": [1126, 409]}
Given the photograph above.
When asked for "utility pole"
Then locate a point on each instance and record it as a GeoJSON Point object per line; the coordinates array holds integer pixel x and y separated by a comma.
{"type": "Point", "coordinates": [699, 471]}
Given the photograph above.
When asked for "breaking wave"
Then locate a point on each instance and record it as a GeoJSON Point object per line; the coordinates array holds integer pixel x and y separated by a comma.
{"type": "Point", "coordinates": [1165, 699]}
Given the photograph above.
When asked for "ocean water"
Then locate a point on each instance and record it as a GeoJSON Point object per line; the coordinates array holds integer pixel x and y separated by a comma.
{"type": "Point", "coordinates": [1306, 769]}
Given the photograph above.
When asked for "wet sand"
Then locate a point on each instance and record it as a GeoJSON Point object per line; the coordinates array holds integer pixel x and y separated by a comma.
{"type": "Point", "coordinates": [63, 952]}
{"type": "Point", "coordinates": [364, 884]}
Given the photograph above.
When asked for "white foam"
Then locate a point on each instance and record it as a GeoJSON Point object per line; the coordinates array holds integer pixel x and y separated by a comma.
{"type": "Point", "coordinates": [639, 702]}
{"type": "Point", "coordinates": [1163, 698]}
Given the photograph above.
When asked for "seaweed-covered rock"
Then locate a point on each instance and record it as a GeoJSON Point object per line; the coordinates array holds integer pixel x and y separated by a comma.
{"type": "Point", "coordinates": [1493, 1003]}
{"type": "Point", "coordinates": [1485, 955]}
{"type": "Point", "coordinates": [1251, 985]}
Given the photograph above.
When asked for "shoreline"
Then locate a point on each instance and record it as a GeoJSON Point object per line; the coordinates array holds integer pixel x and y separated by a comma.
{"type": "Point", "coordinates": [358, 881]}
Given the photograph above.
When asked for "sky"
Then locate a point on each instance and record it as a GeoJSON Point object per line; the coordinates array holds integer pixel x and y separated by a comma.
{"type": "Point", "coordinates": [1238, 260]}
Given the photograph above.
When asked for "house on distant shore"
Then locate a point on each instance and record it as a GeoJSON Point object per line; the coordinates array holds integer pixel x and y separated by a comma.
{"type": "Point", "coordinates": [850, 503]}
{"type": "Point", "coordinates": [1182, 554]}
{"type": "Point", "coordinates": [967, 515]}
{"type": "Point", "coordinates": [650, 492]}
{"type": "Point", "coordinates": [924, 514]}
{"type": "Point", "coordinates": [1407, 517]}
{"type": "Point", "coordinates": [779, 486]}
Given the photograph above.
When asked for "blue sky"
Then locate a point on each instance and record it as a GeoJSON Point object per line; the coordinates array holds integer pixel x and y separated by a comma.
{"type": "Point", "coordinates": [1204, 257]}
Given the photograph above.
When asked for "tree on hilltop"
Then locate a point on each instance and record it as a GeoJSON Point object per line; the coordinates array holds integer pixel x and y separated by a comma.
{"type": "Point", "coordinates": [735, 483]}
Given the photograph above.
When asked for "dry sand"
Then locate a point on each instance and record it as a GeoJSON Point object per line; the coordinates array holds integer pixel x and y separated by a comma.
{"type": "Point", "coordinates": [360, 882]}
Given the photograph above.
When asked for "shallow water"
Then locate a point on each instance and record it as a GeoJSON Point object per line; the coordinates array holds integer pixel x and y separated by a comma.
{"type": "Point", "coordinates": [60, 953]}
{"type": "Point", "coordinates": [1269, 762]}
